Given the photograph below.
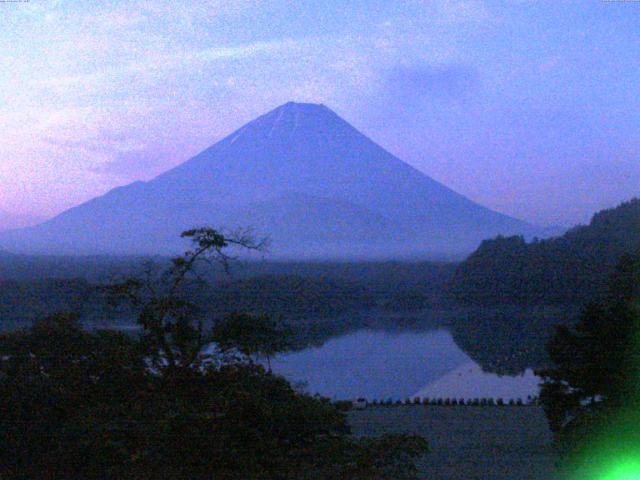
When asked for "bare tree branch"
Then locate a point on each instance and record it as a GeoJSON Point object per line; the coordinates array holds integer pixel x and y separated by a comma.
{"type": "Point", "coordinates": [164, 314]}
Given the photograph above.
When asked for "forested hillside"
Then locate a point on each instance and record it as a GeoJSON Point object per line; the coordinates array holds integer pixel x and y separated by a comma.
{"type": "Point", "coordinates": [34, 287]}
{"type": "Point", "coordinates": [22, 303]}
{"type": "Point", "coordinates": [570, 269]}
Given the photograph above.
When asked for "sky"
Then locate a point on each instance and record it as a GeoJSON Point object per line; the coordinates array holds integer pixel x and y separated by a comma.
{"type": "Point", "coordinates": [530, 107]}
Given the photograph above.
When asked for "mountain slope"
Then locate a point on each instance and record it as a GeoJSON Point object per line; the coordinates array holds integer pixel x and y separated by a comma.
{"type": "Point", "coordinates": [299, 174]}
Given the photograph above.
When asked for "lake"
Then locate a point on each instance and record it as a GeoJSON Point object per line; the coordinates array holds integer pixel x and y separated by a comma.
{"type": "Point", "coordinates": [378, 364]}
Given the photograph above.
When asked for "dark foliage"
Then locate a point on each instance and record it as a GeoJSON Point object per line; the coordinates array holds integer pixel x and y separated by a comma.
{"type": "Point", "coordinates": [252, 336]}
{"type": "Point", "coordinates": [81, 405]}
{"type": "Point", "coordinates": [161, 405]}
{"type": "Point", "coordinates": [290, 296]}
{"type": "Point", "coordinates": [287, 291]}
{"type": "Point", "coordinates": [597, 366]}
{"type": "Point", "coordinates": [22, 303]}
{"type": "Point", "coordinates": [50, 377]}
{"type": "Point", "coordinates": [508, 339]}
{"type": "Point", "coordinates": [571, 269]}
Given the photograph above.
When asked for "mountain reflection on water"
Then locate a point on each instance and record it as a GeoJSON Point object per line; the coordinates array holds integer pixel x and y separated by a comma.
{"type": "Point", "coordinates": [378, 364]}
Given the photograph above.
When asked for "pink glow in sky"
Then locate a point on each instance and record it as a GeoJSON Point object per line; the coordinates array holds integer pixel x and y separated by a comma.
{"type": "Point", "coordinates": [529, 107]}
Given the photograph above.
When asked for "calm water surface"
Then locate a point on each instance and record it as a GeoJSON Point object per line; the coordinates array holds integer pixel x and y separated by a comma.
{"type": "Point", "coordinates": [379, 365]}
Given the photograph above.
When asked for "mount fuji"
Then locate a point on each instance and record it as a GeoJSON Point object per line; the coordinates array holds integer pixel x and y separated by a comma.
{"type": "Point", "coordinates": [300, 175]}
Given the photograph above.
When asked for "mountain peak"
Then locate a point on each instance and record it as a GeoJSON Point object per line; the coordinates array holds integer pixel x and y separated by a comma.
{"type": "Point", "coordinates": [293, 118]}
{"type": "Point", "coordinates": [299, 174]}
{"type": "Point", "coordinates": [300, 110]}
{"type": "Point", "coordinates": [301, 106]}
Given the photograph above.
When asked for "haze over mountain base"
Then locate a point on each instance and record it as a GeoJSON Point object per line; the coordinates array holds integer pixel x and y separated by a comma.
{"type": "Point", "coordinates": [299, 175]}
{"type": "Point", "coordinates": [10, 221]}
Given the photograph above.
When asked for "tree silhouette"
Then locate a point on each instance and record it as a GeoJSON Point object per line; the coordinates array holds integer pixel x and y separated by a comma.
{"type": "Point", "coordinates": [597, 364]}
{"type": "Point", "coordinates": [252, 335]}
{"type": "Point", "coordinates": [172, 330]}
{"type": "Point", "coordinates": [105, 405]}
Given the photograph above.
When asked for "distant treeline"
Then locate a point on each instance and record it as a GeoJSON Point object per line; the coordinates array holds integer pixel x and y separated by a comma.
{"type": "Point", "coordinates": [455, 402]}
{"type": "Point", "coordinates": [501, 304]}
{"type": "Point", "coordinates": [91, 268]}
{"type": "Point", "coordinates": [517, 293]}
{"type": "Point", "coordinates": [294, 292]}
{"type": "Point", "coordinates": [24, 302]}
{"type": "Point", "coordinates": [571, 269]}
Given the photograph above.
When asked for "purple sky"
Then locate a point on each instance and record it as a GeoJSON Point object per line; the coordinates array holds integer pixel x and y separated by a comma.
{"type": "Point", "coordinates": [527, 106]}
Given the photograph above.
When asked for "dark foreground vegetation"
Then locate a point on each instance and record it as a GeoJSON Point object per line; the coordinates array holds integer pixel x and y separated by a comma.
{"type": "Point", "coordinates": [82, 400]}
{"type": "Point", "coordinates": [592, 395]}
{"type": "Point", "coordinates": [165, 404]}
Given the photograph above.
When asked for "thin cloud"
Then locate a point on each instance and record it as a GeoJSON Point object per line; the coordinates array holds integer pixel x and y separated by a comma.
{"type": "Point", "coordinates": [449, 82]}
